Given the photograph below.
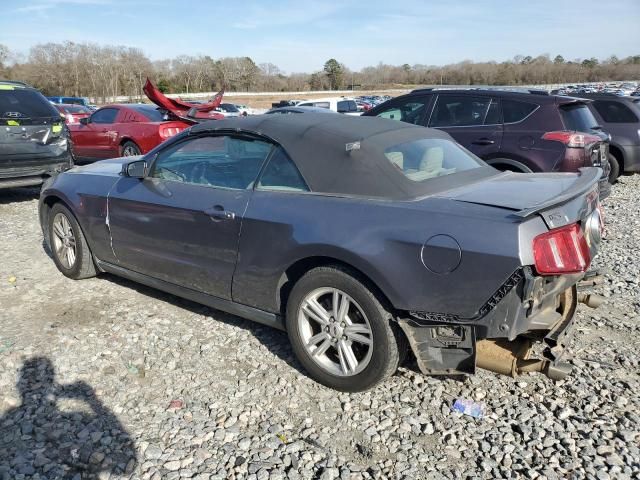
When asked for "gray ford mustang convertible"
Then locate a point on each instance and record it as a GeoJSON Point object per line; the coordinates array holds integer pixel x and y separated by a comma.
{"type": "Point", "coordinates": [361, 237]}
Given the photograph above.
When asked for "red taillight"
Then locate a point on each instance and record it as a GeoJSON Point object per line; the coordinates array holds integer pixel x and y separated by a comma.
{"type": "Point", "coordinates": [561, 250]}
{"type": "Point", "coordinates": [167, 132]}
{"type": "Point", "coordinates": [571, 139]}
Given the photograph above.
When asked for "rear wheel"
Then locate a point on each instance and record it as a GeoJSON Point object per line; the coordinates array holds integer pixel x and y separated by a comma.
{"type": "Point", "coordinates": [69, 247]}
{"type": "Point", "coordinates": [614, 171]}
{"type": "Point", "coordinates": [130, 149]}
{"type": "Point", "coordinates": [340, 332]}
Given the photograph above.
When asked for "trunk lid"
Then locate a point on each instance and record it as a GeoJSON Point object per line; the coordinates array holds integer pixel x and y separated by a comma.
{"type": "Point", "coordinates": [560, 198]}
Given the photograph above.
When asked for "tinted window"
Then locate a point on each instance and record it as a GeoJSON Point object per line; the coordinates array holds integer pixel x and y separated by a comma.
{"type": "Point", "coordinates": [25, 103]}
{"type": "Point", "coordinates": [105, 115]}
{"type": "Point", "coordinates": [578, 118]}
{"type": "Point", "coordinates": [515, 111]}
{"type": "Point", "coordinates": [427, 158]}
{"type": "Point", "coordinates": [345, 106]}
{"type": "Point", "coordinates": [152, 113]}
{"type": "Point", "coordinates": [74, 100]}
{"type": "Point", "coordinates": [460, 111]}
{"type": "Point", "coordinates": [614, 112]}
{"type": "Point", "coordinates": [410, 110]}
{"type": "Point", "coordinates": [281, 174]}
{"type": "Point", "coordinates": [221, 161]}
{"type": "Point", "coordinates": [493, 115]}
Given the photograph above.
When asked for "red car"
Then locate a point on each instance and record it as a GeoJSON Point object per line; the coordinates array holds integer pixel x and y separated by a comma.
{"type": "Point", "coordinates": [73, 113]}
{"type": "Point", "coordinates": [122, 130]}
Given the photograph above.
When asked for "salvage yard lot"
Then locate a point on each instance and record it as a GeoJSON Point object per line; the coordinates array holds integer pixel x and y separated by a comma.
{"type": "Point", "coordinates": [199, 393]}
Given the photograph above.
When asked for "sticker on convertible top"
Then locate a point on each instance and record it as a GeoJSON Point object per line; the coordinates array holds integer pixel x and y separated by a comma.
{"type": "Point", "coordinates": [13, 123]}
{"type": "Point", "coordinates": [353, 146]}
{"type": "Point", "coordinates": [7, 87]}
{"type": "Point", "coordinates": [56, 128]}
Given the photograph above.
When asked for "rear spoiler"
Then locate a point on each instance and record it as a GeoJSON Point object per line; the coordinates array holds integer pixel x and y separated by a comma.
{"type": "Point", "coordinates": [588, 178]}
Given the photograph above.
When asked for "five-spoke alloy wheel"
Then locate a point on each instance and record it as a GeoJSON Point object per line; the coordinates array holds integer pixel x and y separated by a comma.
{"type": "Point", "coordinates": [68, 245]}
{"type": "Point", "coordinates": [340, 331]}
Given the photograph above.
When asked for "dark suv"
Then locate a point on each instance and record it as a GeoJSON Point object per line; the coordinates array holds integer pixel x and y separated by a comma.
{"type": "Point", "coordinates": [34, 141]}
{"type": "Point", "coordinates": [522, 131]}
{"type": "Point", "coordinates": [620, 117]}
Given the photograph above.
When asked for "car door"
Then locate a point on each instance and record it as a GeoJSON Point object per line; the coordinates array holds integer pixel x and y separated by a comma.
{"type": "Point", "coordinates": [94, 139]}
{"type": "Point", "coordinates": [181, 223]}
{"type": "Point", "coordinates": [473, 121]}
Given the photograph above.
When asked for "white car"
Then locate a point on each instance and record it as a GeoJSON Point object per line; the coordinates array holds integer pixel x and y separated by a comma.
{"type": "Point", "coordinates": [348, 106]}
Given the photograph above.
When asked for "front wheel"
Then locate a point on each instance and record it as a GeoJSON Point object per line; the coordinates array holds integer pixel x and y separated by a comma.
{"type": "Point", "coordinates": [340, 331]}
{"type": "Point", "coordinates": [70, 251]}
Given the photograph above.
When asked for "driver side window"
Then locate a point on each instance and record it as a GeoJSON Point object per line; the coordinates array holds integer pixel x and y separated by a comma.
{"type": "Point", "coordinates": [410, 110]}
{"type": "Point", "coordinates": [216, 161]}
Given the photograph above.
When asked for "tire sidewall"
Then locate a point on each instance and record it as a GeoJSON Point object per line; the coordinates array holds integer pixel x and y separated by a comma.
{"type": "Point", "coordinates": [129, 143]}
{"type": "Point", "coordinates": [614, 173]}
{"type": "Point", "coordinates": [75, 270]}
{"type": "Point", "coordinates": [382, 336]}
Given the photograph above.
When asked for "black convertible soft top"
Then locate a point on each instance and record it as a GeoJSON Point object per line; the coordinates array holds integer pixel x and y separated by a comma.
{"type": "Point", "coordinates": [344, 155]}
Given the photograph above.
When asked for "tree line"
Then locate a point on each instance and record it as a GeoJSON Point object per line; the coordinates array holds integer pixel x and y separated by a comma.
{"type": "Point", "coordinates": [103, 71]}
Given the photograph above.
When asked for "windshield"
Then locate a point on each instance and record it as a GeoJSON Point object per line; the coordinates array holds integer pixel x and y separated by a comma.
{"type": "Point", "coordinates": [427, 158]}
{"type": "Point", "coordinates": [578, 118]}
{"type": "Point", "coordinates": [20, 103]}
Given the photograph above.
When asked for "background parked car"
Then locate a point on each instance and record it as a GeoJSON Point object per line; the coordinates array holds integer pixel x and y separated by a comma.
{"type": "Point", "coordinates": [34, 144]}
{"type": "Point", "coordinates": [122, 130]}
{"type": "Point", "coordinates": [73, 113]}
{"type": "Point", "coordinates": [620, 117]}
{"type": "Point", "coordinates": [228, 110]}
{"type": "Point", "coordinates": [518, 131]}
{"type": "Point", "coordinates": [288, 110]}
{"type": "Point", "coordinates": [72, 101]}
{"type": "Point", "coordinates": [347, 106]}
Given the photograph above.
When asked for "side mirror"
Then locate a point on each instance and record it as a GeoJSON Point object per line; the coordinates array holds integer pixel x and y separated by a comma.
{"type": "Point", "coordinates": [137, 169]}
{"type": "Point", "coordinates": [85, 120]}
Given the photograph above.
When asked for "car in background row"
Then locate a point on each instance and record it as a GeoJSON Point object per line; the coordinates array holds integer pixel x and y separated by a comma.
{"type": "Point", "coordinates": [34, 144]}
{"type": "Point", "coordinates": [620, 117]}
{"type": "Point", "coordinates": [122, 130]}
{"type": "Point", "coordinates": [84, 101]}
{"type": "Point", "coordinates": [519, 131]}
{"type": "Point", "coordinates": [73, 113]}
{"type": "Point", "coordinates": [347, 106]}
{"type": "Point", "coordinates": [228, 110]}
{"type": "Point", "coordinates": [289, 110]}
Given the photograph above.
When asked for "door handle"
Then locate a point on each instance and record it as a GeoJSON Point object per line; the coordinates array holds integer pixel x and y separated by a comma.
{"type": "Point", "coordinates": [217, 212]}
{"type": "Point", "coordinates": [483, 141]}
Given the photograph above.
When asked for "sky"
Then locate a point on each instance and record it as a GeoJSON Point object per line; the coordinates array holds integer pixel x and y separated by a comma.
{"type": "Point", "coordinates": [299, 36]}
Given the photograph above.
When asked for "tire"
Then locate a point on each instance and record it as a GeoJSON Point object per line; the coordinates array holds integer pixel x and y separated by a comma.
{"type": "Point", "coordinates": [330, 363]}
{"type": "Point", "coordinates": [130, 149]}
{"type": "Point", "coordinates": [63, 224]}
{"type": "Point", "coordinates": [516, 167]}
{"type": "Point", "coordinates": [614, 171]}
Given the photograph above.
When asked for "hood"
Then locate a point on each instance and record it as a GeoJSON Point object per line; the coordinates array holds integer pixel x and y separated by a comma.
{"type": "Point", "coordinates": [527, 193]}
{"type": "Point", "coordinates": [111, 167]}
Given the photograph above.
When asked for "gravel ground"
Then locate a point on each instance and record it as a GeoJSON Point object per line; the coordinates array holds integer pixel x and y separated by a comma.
{"type": "Point", "coordinates": [106, 379]}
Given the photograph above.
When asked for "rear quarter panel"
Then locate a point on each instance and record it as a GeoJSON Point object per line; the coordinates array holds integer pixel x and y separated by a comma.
{"type": "Point", "coordinates": [383, 240]}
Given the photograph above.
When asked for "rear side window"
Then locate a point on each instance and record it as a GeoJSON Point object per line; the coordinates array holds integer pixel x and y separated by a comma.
{"type": "Point", "coordinates": [18, 103]}
{"type": "Point", "coordinates": [460, 111]}
{"type": "Point", "coordinates": [578, 118]}
{"type": "Point", "coordinates": [281, 174]}
{"type": "Point", "coordinates": [515, 111]}
{"type": "Point", "coordinates": [614, 112]}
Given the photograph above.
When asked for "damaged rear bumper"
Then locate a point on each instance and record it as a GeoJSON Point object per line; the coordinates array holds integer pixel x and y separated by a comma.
{"type": "Point", "coordinates": [502, 340]}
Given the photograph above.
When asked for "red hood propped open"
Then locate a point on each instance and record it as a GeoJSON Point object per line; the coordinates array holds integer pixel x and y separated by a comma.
{"type": "Point", "coordinates": [190, 112]}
